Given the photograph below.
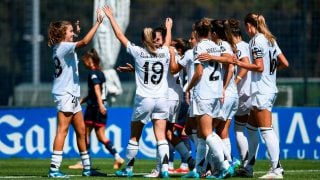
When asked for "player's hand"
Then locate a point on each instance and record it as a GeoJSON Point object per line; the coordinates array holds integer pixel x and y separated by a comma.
{"type": "Point", "coordinates": [235, 60]}
{"type": "Point", "coordinates": [204, 57]}
{"type": "Point", "coordinates": [127, 68]}
{"type": "Point", "coordinates": [100, 15]}
{"type": "Point", "coordinates": [107, 11]}
{"type": "Point", "coordinates": [77, 31]}
{"type": "Point", "coordinates": [223, 96]}
{"type": "Point", "coordinates": [168, 23]}
{"type": "Point", "coordinates": [102, 110]}
{"type": "Point", "coordinates": [187, 97]}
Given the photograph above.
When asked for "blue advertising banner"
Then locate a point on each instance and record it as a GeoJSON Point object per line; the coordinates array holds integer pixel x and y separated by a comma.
{"type": "Point", "coordinates": [29, 133]}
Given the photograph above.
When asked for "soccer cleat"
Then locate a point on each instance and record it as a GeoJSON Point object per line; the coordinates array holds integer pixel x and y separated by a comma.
{"type": "Point", "coordinates": [192, 174]}
{"type": "Point", "coordinates": [244, 172]}
{"type": "Point", "coordinates": [235, 163]}
{"type": "Point", "coordinates": [124, 173]}
{"type": "Point", "coordinates": [222, 174]}
{"type": "Point", "coordinates": [118, 163]}
{"type": "Point", "coordinates": [182, 170]}
{"type": "Point", "coordinates": [276, 173]}
{"type": "Point", "coordinates": [91, 172]}
{"type": "Point", "coordinates": [78, 165]}
{"type": "Point", "coordinates": [164, 174]}
{"type": "Point", "coordinates": [57, 174]}
{"type": "Point", "coordinates": [154, 174]}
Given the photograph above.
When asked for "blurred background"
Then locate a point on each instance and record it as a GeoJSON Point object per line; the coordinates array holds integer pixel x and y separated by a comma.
{"type": "Point", "coordinates": [24, 83]}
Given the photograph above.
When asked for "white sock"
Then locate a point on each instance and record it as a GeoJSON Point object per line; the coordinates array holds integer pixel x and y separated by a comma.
{"type": "Point", "coordinates": [272, 144]}
{"type": "Point", "coordinates": [171, 166]}
{"type": "Point", "coordinates": [163, 149]}
{"type": "Point", "coordinates": [56, 159]}
{"type": "Point", "coordinates": [200, 154]}
{"type": "Point", "coordinates": [132, 151]}
{"type": "Point", "coordinates": [227, 148]}
{"type": "Point", "coordinates": [184, 165]}
{"type": "Point", "coordinates": [158, 159]}
{"type": "Point", "coordinates": [253, 142]}
{"type": "Point", "coordinates": [117, 156]}
{"type": "Point", "coordinates": [85, 159]}
{"type": "Point", "coordinates": [241, 140]}
{"type": "Point", "coordinates": [214, 142]}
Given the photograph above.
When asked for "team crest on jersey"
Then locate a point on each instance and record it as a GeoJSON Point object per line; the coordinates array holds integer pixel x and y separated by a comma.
{"type": "Point", "coordinates": [93, 76]}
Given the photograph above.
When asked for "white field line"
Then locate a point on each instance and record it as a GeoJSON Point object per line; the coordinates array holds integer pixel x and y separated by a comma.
{"type": "Point", "coordinates": [141, 174]}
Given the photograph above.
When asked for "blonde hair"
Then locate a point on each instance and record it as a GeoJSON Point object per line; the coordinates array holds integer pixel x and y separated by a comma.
{"type": "Point", "coordinates": [57, 32]}
{"type": "Point", "coordinates": [147, 40]}
{"type": "Point", "coordinates": [259, 23]}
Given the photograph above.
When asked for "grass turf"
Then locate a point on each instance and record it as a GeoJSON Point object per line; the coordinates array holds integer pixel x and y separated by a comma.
{"type": "Point", "coordinates": [15, 168]}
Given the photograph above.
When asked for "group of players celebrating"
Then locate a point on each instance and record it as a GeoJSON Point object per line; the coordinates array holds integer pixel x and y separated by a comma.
{"type": "Point", "coordinates": [227, 79]}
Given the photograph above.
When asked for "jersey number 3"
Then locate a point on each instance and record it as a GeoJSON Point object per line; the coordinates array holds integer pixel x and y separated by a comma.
{"type": "Point", "coordinates": [57, 66]}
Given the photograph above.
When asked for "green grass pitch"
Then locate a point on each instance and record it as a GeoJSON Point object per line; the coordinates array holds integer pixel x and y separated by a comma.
{"type": "Point", "coordinates": [16, 168]}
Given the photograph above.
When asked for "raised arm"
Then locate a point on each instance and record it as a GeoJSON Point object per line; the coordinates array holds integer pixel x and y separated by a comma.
{"type": "Point", "coordinates": [116, 29]}
{"type": "Point", "coordinates": [174, 66]}
{"type": "Point", "coordinates": [92, 31]}
{"type": "Point", "coordinates": [168, 35]}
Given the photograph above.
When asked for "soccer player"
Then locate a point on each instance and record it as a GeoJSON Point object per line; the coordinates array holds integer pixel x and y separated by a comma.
{"type": "Point", "coordinates": [207, 85]}
{"type": "Point", "coordinates": [66, 92]}
{"type": "Point", "coordinates": [267, 58]}
{"type": "Point", "coordinates": [221, 36]}
{"type": "Point", "coordinates": [95, 116]}
{"type": "Point", "coordinates": [243, 80]}
{"type": "Point", "coordinates": [151, 68]}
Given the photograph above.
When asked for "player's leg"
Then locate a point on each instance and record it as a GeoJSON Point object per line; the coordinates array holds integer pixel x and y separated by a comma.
{"type": "Point", "coordinates": [64, 120]}
{"type": "Point", "coordinates": [264, 117]}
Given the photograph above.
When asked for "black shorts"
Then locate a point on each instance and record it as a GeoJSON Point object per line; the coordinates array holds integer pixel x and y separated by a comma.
{"type": "Point", "coordinates": [93, 117]}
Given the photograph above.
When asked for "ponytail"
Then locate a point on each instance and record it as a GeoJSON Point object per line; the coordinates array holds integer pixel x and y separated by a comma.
{"type": "Point", "coordinates": [259, 23]}
{"type": "Point", "coordinates": [148, 41]}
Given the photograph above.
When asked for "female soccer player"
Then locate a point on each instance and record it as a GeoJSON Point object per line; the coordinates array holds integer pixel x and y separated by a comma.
{"type": "Point", "coordinates": [207, 85]}
{"type": "Point", "coordinates": [243, 79]}
{"type": "Point", "coordinates": [96, 112]}
{"type": "Point", "coordinates": [267, 58]}
{"type": "Point", "coordinates": [151, 68]}
{"type": "Point", "coordinates": [66, 92]}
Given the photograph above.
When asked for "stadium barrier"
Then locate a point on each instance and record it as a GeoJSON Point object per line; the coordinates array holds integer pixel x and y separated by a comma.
{"type": "Point", "coordinates": [29, 133]}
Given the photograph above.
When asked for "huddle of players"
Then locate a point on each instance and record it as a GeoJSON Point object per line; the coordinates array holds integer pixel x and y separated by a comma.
{"type": "Point", "coordinates": [218, 88]}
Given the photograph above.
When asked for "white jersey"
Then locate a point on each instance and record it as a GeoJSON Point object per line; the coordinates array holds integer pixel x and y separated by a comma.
{"type": "Point", "coordinates": [188, 63]}
{"type": "Point", "coordinates": [210, 85]}
{"type": "Point", "coordinates": [150, 71]}
{"type": "Point", "coordinates": [244, 84]}
{"type": "Point", "coordinates": [175, 91]}
{"type": "Point", "coordinates": [66, 75]}
{"type": "Point", "coordinates": [231, 90]}
{"type": "Point", "coordinates": [265, 82]}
